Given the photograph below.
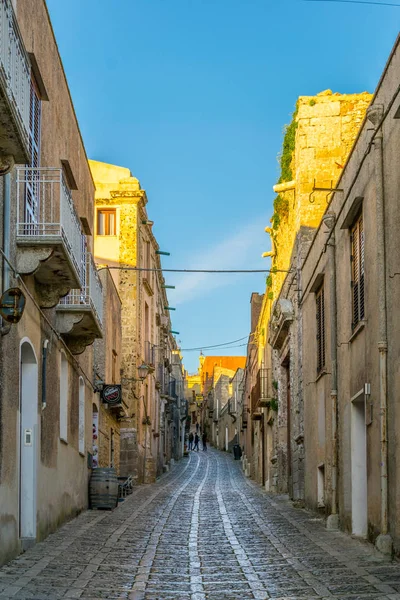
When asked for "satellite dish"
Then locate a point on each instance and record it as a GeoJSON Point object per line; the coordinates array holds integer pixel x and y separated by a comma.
{"type": "Point", "coordinates": [12, 304]}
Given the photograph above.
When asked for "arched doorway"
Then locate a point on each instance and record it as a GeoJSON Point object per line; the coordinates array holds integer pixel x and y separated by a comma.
{"type": "Point", "coordinates": [28, 441]}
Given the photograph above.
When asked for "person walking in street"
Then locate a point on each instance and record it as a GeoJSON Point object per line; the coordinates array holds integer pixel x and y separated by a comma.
{"type": "Point", "coordinates": [204, 441]}
{"type": "Point", "coordinates": [197, 428]}
{"type": "Point", "coordinates": [190, 441]}
{"type": "Point", "coordinates": [196, 442]}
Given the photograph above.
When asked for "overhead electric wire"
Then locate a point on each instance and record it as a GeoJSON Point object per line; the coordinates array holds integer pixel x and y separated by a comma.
{"type": "Point", "coordinates": [216, 345]}
{"type": "Point", "coordinates": [356, 2]}
{"type": "Point", "coordinates": [273, 270]}
{"type": "Point", "coordinates": [225, 348]}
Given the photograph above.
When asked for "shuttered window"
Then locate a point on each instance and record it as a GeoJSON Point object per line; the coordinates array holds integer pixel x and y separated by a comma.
{"type": "Point", "coordinates": [320, 301]}
{"type": "Point", "coordinates": [357, 284]}
{"type": "Point", "coordinates": [32, 198]}
{"type": "Point", "coordinates": [107, 221]}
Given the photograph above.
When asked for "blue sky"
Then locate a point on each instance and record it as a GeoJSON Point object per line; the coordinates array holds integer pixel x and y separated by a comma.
{"type": "Point", "coordinates": [192, 96]}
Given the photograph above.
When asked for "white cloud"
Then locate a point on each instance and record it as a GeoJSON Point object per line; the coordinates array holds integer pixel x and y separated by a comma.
{"type": "Point", "coordinates": [241, 250]}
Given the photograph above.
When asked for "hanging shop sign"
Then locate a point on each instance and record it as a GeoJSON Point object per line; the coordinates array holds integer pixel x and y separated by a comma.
{"type": "Point", "coordinates": [12, 304]}
{"type": "Point", "coordinates": [111, 394]}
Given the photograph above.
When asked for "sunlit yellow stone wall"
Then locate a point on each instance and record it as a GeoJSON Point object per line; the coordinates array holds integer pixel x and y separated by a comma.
{"type": "Point", "coordinates": [326, 127]}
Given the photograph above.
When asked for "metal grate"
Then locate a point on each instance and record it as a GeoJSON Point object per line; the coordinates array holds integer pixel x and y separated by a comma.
{"type": "Point", "coordinates": [14, 65]}
{"type": "Point", "coordinates": [357, 239]}
{"type": "Point", "coordinates": [55, 216]}
{"type": "Point", "coordinates": [320, 300]}
{"type": "Point", "coordinates": [91, 293]}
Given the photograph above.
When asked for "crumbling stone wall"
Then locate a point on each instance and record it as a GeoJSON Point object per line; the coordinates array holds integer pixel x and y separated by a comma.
{"type": "Point", "coordinates": [326, 127]}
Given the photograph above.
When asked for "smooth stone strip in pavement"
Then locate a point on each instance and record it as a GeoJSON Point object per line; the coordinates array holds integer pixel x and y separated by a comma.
{"type": "Point", "coordinates": [201, 532]}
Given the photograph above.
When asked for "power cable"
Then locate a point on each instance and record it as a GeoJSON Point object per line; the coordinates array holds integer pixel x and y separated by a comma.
{"type": "Point", "coordinates": [215, 345]}
{"type": "Point", "coordinates": [356, 2]}
{"type": "Point", "coordinates": [195, 270]}
{"type": "Point", "coordinates": [225, 348]}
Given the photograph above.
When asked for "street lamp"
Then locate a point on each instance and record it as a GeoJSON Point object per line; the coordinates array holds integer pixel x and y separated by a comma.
{"type": "Point", "coordinates": [143, 371]}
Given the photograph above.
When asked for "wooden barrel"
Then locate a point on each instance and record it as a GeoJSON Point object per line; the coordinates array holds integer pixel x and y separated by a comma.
{"type": "Point", "coordinates": [103, 488]}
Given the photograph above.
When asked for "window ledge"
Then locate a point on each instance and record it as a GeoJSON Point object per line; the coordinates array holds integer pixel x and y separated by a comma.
{"type": "Point", "coordinates": [82, 454]}
{"type": "Point", "coordinates": [321, 374]}
{"type": "Point", "coordinates": [360, 326]}
{"type": "Point", "coordinates": [63, 441]}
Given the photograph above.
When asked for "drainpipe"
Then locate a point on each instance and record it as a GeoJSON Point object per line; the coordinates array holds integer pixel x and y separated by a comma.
{"type": "Point", "coordinates": [330, 221]}
{"type": "Point", "coordinates": [6, 328]}
{"type": "Point", "coordinates": [375, 114]}
{"type": "Point", "coordinates": [44, 372]}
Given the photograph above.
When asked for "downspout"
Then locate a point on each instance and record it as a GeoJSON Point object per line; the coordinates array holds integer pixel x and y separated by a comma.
{"type": "Point", "coordinates": [330, 221]}
{"type": "Point", "coordinates": [6, 242]}
{"type": "Point", "coordinates": [375, 114]}
{"type": "Point", "coordinates": [44, 372]}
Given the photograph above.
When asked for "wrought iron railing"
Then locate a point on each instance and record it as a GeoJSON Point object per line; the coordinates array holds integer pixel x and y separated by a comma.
{"type": "Point", "coordinates": [15, 68]}
{"type": "Point", "coordinates": [45, 210]}
{"type": "Point", "coordinates": [91, 293]}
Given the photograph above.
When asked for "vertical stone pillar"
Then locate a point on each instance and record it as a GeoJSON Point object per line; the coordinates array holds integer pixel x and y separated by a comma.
{"type": "Point", "coordinates": [128, 452]}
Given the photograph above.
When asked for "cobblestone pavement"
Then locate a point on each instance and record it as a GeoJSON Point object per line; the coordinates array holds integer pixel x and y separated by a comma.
{"type": "Point", "coordinates": [201, 532]}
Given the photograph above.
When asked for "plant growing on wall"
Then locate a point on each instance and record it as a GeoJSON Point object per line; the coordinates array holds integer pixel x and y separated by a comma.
{"type": "Point", "coordinates": [281, 205]}
{"type": "Point", "coordinates": [274, 404]}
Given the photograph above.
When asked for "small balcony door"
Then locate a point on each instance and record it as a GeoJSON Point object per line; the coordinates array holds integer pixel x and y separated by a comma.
{"type": "Point", "coordinates": [32, 190]}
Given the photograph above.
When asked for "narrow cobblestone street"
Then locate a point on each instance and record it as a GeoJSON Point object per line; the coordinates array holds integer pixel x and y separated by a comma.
{"type": "Point", "coordinates": [202, 531]}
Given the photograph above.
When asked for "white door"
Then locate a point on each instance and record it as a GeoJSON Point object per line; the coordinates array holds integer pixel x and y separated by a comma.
{"type": "Point", "coordinates": [28, 441]}
{"type": "Point", "coordinates": [359, 490]}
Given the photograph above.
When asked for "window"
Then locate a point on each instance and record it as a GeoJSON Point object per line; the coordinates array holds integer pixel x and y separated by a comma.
{"type": "Point", "coordinates": [147, 260]}
{"type": "Point", "coordinates": [64, 398]}
{"type": "Point", "coordinates": [357, 259]}
{"type": "Point", "coordinates": [32, 179]}
{"type": "Point", "coordinates": [320, 300]}
{"type": "Point", "coordinates": [81, 416]}
{"type": "Point", "coordinates": [114, 367]}
{"type": "Point", "coordinates": [107, 221]}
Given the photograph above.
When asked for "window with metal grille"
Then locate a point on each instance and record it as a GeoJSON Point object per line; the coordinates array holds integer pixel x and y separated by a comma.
{"type": "Point", "coordinates": [357, 284]}
{"type": "Point", "coordinates": [32, 186]}
{"type": "Point", "coordinates": [320, 301]}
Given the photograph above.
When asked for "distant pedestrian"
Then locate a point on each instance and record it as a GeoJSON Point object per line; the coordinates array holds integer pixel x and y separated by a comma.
{"type": "Point", "coordinates": [196, 442]}
{"type": "Point", "coordinates": [190, 441]}
{"type": "Point", "coordinates": [197, 428]}
{"type": "Point", "coordinates": [204, 440]}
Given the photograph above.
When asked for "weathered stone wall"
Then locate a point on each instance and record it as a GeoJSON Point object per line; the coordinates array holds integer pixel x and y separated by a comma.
{"type": "Point", "coordinates": [321, 136]}
{"type": "Point", "coordinates": [361, 347]}
{"type": "Point", "coordinates": [327, 125]}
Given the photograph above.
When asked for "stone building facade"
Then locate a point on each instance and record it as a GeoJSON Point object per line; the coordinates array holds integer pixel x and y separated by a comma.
{"type": "Point", "coordinates": [229, 415]}
{"type": "Point", "coordinates": [351, 270]}
{"type": "Point", "coordinates": [124, 241]}
{"type": "Point", "coordinates": [47, 390]}
{"type": "Point", "coordinates": [107, 371]}
{"type": "Point", "coordinates": [216, 375]}
{"type": "Point", "coordinates": [316, 145]}
{"type": "Point", "coordinates": [334, 339]}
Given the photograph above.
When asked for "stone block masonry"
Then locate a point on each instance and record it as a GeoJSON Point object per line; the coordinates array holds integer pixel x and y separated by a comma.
{"type": "Point", "coordinates": [326, 127]}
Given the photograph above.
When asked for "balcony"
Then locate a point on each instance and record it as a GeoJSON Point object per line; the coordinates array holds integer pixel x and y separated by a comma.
{"type": "Point", "coordinates": [49, 234]}
{"type": "Point", "coordinates": [264, 376]}
{"type": "Point", "coordinates": [80, 313]}
{"type": "Point", "coordinates": [150, 356]}
{"type": "Point", "coordinates": [15, 85]}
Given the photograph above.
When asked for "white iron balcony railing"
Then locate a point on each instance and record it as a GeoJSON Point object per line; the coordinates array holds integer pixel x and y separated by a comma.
{"type": "Point", "coordinates": [45, 211]}
{"type": "Point", "coordinates": [15, 71]}
{"type": "Point", "coordinates": [91, 294]}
